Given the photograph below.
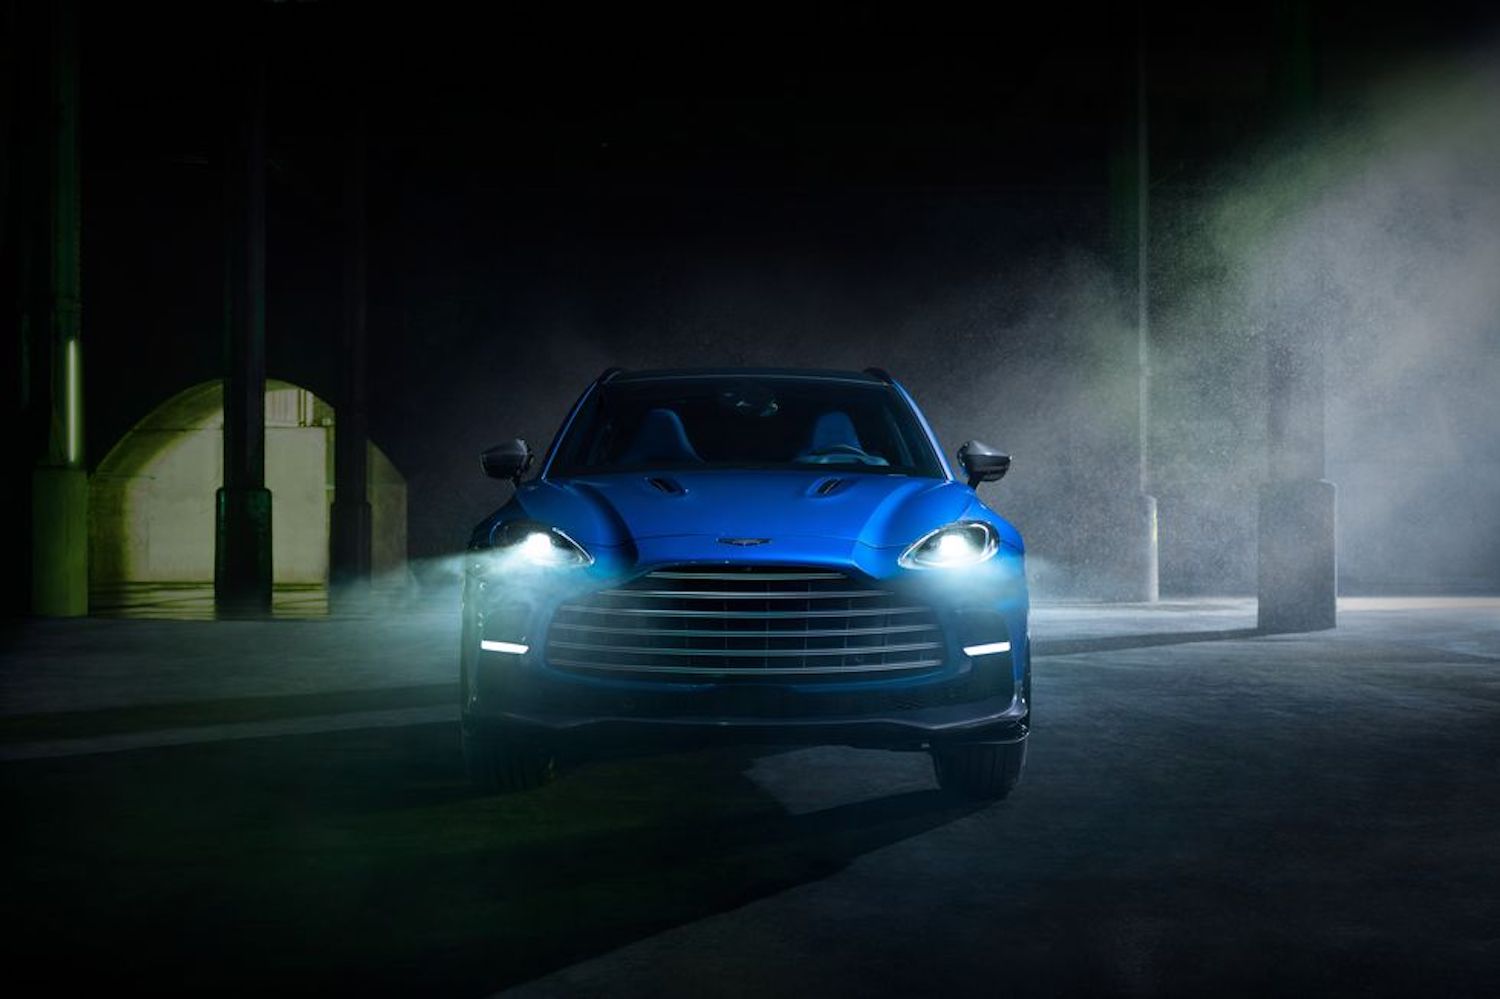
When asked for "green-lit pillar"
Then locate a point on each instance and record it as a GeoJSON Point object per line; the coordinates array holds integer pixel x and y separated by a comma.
{"type": "Point", "coordinates": [242, 549]}
{"type": "Point", "coordinates": [1135, 575]}
{"type": "Point", "coordinates": [59, 483]}
{"type": "Point", "coordinates": [1297, 574]}
{"type": "Point", "coordinates": [349, 520]}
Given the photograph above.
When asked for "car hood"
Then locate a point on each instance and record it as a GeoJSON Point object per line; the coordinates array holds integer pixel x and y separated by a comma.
{"type": "Point", "coordinates": [875, 510]}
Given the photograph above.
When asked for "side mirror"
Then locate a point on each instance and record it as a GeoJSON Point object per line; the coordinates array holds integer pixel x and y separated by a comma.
{"type": "Point", "coordinates": [506, 461]}
{"type": "Point", "coordinates": [982, 463]}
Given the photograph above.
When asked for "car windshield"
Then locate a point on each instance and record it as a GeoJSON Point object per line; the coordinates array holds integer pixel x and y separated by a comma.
{"type": "Point", "coordinates": [751, 422]}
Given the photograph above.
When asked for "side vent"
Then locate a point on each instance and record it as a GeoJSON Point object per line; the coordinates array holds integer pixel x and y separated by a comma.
{"type": "Point", "coordinates": [669, 486]}
{"type": "Point", "coordinates": [827, 487]}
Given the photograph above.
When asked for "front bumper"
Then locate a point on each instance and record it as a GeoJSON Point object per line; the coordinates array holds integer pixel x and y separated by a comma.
{"type": "Point", "coordinates": [984, 721]}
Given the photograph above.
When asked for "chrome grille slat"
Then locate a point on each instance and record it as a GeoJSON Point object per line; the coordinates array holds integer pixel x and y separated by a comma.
{"type": "Point", "coordinates": [733, 623]}
{"type": "Point", "coordinates": [748, 653]}
{"type": "Point", "coordinates": [715, 633]}
{"type": "Point", "coordinates": [756, 671]}
{"type": "Point", "coordinates": [737, 615]}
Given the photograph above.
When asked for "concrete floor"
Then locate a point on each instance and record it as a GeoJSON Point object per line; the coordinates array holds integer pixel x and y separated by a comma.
{"type": "Point", "coordinates": [259, 805]}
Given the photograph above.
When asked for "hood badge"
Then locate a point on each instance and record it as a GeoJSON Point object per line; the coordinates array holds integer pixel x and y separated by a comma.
{"type": "Point", "coordinates": [744, 542]}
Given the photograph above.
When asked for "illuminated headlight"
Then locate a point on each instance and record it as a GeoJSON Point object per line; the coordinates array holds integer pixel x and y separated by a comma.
{"type": "Point", "coordinates": [952, 547]}
{"type": "Point", "coordinates": [537, 544]}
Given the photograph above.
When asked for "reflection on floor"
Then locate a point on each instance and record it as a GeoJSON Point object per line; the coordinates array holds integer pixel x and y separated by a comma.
{"type": "Point", "coordinates": [195, 601]}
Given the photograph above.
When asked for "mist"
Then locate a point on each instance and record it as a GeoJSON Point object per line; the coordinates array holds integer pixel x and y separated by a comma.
{"type": "Point", "coordinates": [1378, 230]}
{"type": "Point", "coordinates": [1376, 227]}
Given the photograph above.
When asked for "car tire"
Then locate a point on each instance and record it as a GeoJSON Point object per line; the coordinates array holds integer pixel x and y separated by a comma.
{"type": "Point", "coordinates": [504, 766]}
{"type": "Point", "coordinates": [980, 770]}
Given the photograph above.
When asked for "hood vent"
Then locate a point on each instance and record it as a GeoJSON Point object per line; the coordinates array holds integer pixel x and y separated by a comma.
{"type": "Point", "coordinates": [669, 486]}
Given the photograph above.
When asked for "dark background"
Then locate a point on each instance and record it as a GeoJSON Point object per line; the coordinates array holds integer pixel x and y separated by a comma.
{"type": "Point", "coordinates": [549, 199]}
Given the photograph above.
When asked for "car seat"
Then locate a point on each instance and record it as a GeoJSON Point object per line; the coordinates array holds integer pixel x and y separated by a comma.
{"type": "Point", "coordinates": [661, 437]}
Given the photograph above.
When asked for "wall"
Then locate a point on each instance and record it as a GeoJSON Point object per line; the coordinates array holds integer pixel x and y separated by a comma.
{"type": "Point", "coordinates": [151, 510]}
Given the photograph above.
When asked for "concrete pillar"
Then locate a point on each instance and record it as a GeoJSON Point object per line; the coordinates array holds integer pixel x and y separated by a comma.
{"type": "Point", "coordinates": [59, 482]}
{"type": "Point", "coordinates": [242, 543]}
{"type": "Point", "coordinates": [1297, 558]}
{"type": "Point", "coordinates": [16, 452]}
{"type": "Point", "coordinates": [1137, 566]}
{"type": "Point", "coordinates": [349, 536]}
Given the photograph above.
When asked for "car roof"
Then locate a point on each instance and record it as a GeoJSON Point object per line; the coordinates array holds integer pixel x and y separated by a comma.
{"type": "Point", "coordinates": [811, 374]}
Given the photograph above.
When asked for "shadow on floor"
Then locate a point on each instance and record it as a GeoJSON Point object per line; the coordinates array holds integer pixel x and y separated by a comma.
{"type": "Point", "coordinates": [359, 861]}
{"type": "Point", "coordinates": [1112, 643]}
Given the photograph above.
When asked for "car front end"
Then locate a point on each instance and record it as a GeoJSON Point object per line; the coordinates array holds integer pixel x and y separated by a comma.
{"type": "Point", "coordinates": [673, 605]}
{"type": "Point", "coordinates": [795, 641]}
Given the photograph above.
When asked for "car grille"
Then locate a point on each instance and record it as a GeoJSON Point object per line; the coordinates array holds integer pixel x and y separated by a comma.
{"type": "Point", "coordinates": [758, 623]}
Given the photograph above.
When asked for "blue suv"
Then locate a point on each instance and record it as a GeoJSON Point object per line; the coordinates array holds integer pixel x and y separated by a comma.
{"type": "Point", "coordinates": [773, 555]}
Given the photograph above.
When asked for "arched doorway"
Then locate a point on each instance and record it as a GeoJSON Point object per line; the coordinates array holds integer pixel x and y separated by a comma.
{"type": "Point", "coordinates": [151, 507]}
